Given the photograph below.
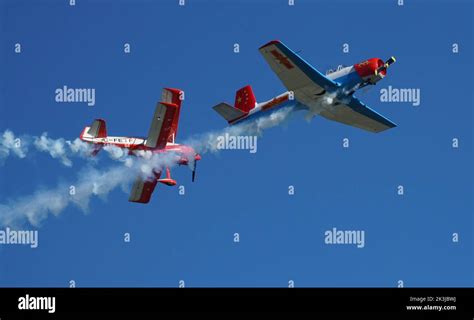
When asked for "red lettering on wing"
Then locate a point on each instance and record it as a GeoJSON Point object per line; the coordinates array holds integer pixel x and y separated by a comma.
{"type": "Point", "coordinates": [282, 59]}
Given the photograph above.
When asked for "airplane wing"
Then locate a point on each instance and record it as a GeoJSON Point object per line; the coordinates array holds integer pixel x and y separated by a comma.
{"type": "Point", "coordinates": [296, 74]}
{"type": "Point", "coordinates": [355, 113]}
{"type": "Point", "coordinates": [161, 125]}
{"type": "Point", "coordinates": [142, 189]}
{"type": "Point", "coordinates": [171, 95]}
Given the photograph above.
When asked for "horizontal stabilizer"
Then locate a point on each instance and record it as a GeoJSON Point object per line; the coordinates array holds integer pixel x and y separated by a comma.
{"type": "Point", "coordinates": [228, 112]}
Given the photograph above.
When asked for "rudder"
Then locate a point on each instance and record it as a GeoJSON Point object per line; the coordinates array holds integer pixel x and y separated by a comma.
{"type": "Point", "coordinates": [245, 99]}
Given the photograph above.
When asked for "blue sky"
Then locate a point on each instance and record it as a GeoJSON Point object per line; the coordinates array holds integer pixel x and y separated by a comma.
{"type": "Point", "coordinates": [190, 237]}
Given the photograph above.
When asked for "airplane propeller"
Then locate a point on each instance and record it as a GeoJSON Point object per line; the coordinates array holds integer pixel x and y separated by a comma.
{"type": "Point", "coordinates": [390, 61]}
{"type": "Point", "coordinates": [387, 64]}
{"type": "Point", "coordinates": [193, 168]}
{"type": "Point", "coordinates": [194, 171]}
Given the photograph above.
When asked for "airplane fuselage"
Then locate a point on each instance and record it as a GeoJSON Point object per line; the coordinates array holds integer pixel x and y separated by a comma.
{"type": "Point", "coordinates": [349, 79]}
{"type": "Point", "coordinates": [135, 144]}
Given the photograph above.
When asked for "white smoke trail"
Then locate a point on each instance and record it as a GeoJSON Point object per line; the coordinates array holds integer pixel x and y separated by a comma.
{"type": "Point", "coordinates": [208, 142]}
{"type": "Point", "coordinates": [10, 144]}
{"type": "Point", "coordinates": [55, 148]}
{"type": "Point", "coordinates": [60, 149]}
{"type": "Point", "coordinates": [35, 208]}
{"type": "Point", "coordinates": [91, 182]}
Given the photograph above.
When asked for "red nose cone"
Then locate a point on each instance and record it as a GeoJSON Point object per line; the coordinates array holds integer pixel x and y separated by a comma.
{"type": "Point", "coordinates": [368, 67]}
{"type": "Point", "coordinates": [197, 157]}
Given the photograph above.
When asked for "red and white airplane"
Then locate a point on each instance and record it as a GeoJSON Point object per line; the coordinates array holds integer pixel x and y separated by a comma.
{"type": "Point", "coordinates": [161, 139]}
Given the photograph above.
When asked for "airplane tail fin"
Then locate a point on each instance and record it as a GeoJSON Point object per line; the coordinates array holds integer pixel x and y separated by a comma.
{"type": "Point", "coordinates": [244, 102]}
{"type": "Point", "coordinates": [245, 99]}
{"type": "Point", "coordinates": [98, 129]}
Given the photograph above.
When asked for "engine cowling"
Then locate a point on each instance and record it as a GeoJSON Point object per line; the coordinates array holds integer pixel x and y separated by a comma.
{"type": "Point", "coordinates": [371, 70]}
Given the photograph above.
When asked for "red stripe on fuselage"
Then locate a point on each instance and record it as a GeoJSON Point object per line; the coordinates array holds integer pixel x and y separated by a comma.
{"type": "Point", "coordinates": [264, 107]}
{"type": "Point", "coordinates": [275, 101]}
{"type": "Point", "coordinates": [184, 152]}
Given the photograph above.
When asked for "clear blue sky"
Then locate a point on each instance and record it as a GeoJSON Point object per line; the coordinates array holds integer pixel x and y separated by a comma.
{"type": "Point", "coordinates": [190, 237]}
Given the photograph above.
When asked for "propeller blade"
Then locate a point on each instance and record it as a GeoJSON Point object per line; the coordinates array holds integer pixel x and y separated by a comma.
{"type": "Point", "coordinates": [194, 171]}
{"type": "Point", "coordinates": [390, 61]}
{"type": "Point", "coordinates": [387, 63]}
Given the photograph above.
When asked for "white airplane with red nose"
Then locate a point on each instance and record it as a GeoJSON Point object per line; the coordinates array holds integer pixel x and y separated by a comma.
{"type": "Point", "coordinates": [330, 96]}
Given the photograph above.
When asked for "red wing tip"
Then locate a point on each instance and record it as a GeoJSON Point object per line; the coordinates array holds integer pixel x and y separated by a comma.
{"type": "Point", "coordinates": [270, 43]}
{"type": "Point", "coordinates": [174, 90]}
